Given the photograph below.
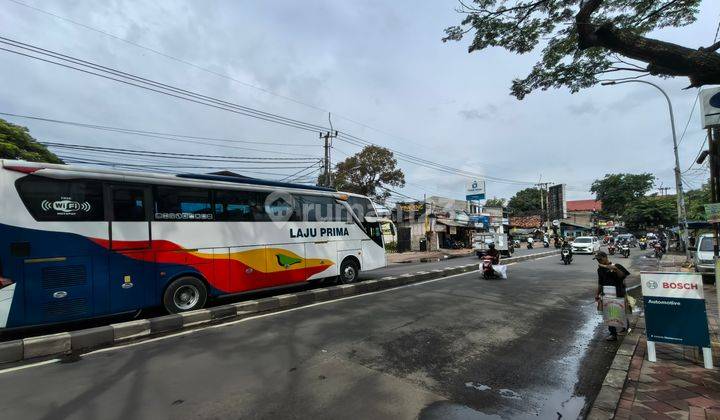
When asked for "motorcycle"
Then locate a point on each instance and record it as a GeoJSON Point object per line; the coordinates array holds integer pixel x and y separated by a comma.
{"type": "Point", "coordinates": [488, 271]}
{"type": "Point", "coordinates": [643, 246]}
{"type": "Point", "coordinates": [529, 245]}
{"type": "Point", "coordinates": [546, 244]}
{"type": "Point", "coordinates": [611, 249]}
{"type": "Point", "coordinates": [566, 256]}
{"type": "Point", "coordinates": [658, 251]}
{"type": "Point", "coordinates": [625, 250]}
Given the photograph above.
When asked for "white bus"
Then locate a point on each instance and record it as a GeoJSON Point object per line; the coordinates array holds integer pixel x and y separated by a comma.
{"type": "Point", "coordinates": [79, 242]}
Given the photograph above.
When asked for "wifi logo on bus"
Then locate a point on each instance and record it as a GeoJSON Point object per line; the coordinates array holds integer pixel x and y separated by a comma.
{"type": "Point", "coordinates": [66, 206]}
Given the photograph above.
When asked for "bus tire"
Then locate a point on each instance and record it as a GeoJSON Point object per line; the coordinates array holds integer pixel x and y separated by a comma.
{"type": "Point", "coordinates": [349, 271]}
{"type": "Point", "coordinates": [185, 294]}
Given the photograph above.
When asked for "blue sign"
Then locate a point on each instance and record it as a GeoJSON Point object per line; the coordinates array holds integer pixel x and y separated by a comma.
{"type": "Point", "coordinates": [475, 197]}
{"type": "Point", "coordinates": [477, 219]}
{"type": "Point", "coordinates": [675, 308]}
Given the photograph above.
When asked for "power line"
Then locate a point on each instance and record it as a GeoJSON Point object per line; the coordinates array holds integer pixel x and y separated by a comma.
{"type": "Point", "coordinates": [153, 133]}
{"type": "Point", "coordinates": [216, 158]}
{"type": "Point", "coordinates": [150, 85]}
{"type": "Point", "coordinates": [147, 84]}
{"type": "Point", "coordinates": [692, 111]}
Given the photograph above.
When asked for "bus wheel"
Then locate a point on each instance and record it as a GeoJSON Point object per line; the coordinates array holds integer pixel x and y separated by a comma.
{"type": "Point", "coordinates": [185, 294]}
{"type": "Point", "coordinates": [349, 272]}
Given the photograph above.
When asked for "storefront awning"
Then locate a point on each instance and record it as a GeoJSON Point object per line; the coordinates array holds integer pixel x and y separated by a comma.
{"type": "Point", "coordinates": [448, 222]}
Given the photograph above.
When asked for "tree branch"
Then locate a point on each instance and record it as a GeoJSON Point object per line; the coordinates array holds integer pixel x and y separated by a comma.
{"type": "Point", "coordinates": [713, 47]}
{"type": "Point", "coordinates": [586, 30]}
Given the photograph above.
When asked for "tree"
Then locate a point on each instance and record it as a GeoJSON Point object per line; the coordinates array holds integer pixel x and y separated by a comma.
{"type": "Point", "coordinates": [368, 172]}
{"type": "Point", "coordinates": [695, 201]}
{"type": "Point", "coordinates": [617, 191]}
{"type": "Point", "coordinates": [588, 39]}
{"type": "Point", "coordinates": [495, 202]}
{"type": "Point", "coordinates": [651, 211]}
{"type": "Point", "coordinates": [525, 201]}
{"type": "Point", "coordinates": [17, 143]}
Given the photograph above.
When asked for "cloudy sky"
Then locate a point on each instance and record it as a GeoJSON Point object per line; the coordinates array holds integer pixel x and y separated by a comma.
{"type": "Point", "coordinates": [378, 66]}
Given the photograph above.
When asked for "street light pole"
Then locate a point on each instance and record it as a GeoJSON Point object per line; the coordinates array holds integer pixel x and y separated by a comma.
{"type": "Point", "coordinates": [682, 215]}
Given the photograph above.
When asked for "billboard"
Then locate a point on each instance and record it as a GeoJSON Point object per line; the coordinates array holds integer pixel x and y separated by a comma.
{"type": "Point", "coordinates": [475, 190]}
{"type": "Point", "coordinates": [557, 202]}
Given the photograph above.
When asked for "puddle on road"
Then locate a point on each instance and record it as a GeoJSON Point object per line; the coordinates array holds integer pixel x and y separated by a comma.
{"type": "Point", "coordinates": [452, 411]}
{"type": "Point", "coordinates": [557, 403]}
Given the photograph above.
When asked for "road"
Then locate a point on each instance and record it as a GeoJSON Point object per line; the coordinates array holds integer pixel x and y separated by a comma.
{"type": "Point", "coordinates": [459, 347]}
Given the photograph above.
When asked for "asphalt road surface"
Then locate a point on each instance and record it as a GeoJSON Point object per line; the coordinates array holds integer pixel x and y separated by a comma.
{"type": "Point", "coordinates": [459, 347]}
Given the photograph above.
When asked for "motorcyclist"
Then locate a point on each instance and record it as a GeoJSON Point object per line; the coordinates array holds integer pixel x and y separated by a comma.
{"type": "Point", "coordinates": [494, 253]}
{"type": "Point", "coordinates": [566, 246]}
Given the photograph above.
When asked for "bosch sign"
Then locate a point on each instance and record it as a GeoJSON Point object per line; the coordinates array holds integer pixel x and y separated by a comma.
{"type": "Point", "coordinates": [686, 286]}
{"type": "Point", "coordinates": [675, 308]}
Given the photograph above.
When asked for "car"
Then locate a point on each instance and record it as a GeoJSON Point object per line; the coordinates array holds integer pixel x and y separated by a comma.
{"type": "Point", "coordinates": [585, 245]}
{"type": "Point", "coordinates": [628, 237]}
{"type": "Point", "coordinates": [703, 256]}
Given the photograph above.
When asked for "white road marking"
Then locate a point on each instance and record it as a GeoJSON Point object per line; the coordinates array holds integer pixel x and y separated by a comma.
{"type": "Point", "coordinates": [226, 324]}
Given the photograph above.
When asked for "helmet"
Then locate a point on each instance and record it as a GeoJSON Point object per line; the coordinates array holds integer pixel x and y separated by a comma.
{"type": "Point", "coordinates": [491, 246]}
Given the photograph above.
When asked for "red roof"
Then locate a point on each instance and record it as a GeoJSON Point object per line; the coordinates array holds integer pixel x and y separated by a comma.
{"type": "Point", "coordinates": [584, 205]}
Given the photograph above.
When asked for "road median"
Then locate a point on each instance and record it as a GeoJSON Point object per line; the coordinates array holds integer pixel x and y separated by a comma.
{"type": "Point", "coordinates": [79, 341]}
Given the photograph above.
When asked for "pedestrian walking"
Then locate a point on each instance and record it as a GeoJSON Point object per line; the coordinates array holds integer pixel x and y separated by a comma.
{"type": "Point", "coordinates": [610, 274]}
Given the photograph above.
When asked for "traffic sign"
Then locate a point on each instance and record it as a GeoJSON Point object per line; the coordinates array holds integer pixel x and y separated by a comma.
{"type": "Point", "coordinates": [710, 107]}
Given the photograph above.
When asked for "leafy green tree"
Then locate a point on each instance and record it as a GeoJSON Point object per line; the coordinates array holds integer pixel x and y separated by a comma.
{"type": "Point", "coordinates": [525, 202]}
{"type": "Point", "coordinates": [617, 191]}
{"type": "Point", "coordinates": [495, 202]}
{"type": "Point", "coordinates": [584, 40]}
{"type": "Point", "coordinates": [369, 172]}
{"type": "Point", "coordinates": [17, 143]}
{"type": "Point", "coordinates": [651, 211]}
{"type": "Point", "coordinates": [695, 201]}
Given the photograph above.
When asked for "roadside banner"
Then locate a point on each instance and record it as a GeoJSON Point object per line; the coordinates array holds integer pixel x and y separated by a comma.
{"type": "Point", "coordinates": [675, 308]}
{"type": "Point", "coordinates": [613, 308]}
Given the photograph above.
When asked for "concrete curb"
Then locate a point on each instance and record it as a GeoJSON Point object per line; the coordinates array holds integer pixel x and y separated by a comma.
{"type": "Point", "coordinates": [77, 341]}
{"type": "Point", "coordinates": [608, 398]}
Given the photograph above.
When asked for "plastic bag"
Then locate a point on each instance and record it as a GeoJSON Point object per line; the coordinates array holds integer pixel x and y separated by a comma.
{"type": "Point", "coordinates": [632, 303]}
{"type": "Point", "coordinates": [501, 271]}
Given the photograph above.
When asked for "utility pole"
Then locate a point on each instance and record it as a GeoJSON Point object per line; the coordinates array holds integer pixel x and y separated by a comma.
{"type": "Point", "coordinates": [328, 136]}
{"type": "Point", "coordinates": [663, 191]}
{"type": "Point", "coordinates": [544, 204]}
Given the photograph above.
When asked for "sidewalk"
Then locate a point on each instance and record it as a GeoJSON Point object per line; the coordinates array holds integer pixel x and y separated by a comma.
{"type": "Point", "coordinates": [676, 386]}
{"type": "Point", "coordinates": [417, 256]}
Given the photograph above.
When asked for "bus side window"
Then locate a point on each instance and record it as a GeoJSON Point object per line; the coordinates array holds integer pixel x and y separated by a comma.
{"type": "Point", "coordinates": [177, 203]}
{"type": "Point", "coordinates": [128, 204]}
{"type": "Point", "coordinates": [234, 206]}
{"type": "Point", "coordinates": [50, 199]}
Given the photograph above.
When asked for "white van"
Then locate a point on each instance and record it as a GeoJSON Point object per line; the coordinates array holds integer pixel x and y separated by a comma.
{"type": "Point", "coordinates": [703, 257]}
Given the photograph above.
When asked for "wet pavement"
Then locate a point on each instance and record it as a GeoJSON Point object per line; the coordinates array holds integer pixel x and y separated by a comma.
{"type": "Point", "coordinates": [455, 348]}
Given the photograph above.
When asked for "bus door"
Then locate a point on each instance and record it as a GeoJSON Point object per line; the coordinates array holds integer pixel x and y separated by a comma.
{"type": "Point", "coordinates": [131, 260]}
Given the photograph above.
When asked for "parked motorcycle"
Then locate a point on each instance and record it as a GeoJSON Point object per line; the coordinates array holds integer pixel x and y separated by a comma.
{"type": "Point", "coordinates": [566, 256]}
{"type": "Point", "coordinates": [529, 245]}
{"type": "Point", "coordinates": [625, 250]}
{"type": "Point", "coordinates": [546, 244]}
{"type": "Point", "coordinates": [611, 249]}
